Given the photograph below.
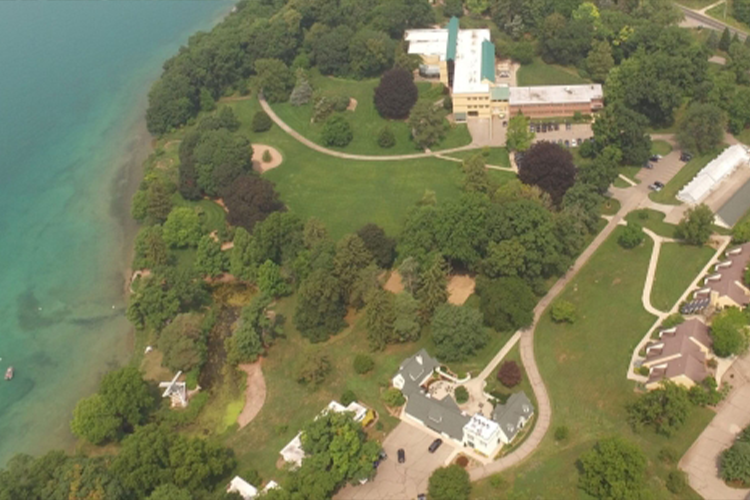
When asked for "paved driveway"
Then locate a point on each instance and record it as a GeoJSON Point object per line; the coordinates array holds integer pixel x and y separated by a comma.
{"type": "Point", "coordinates": [405, 481]}
{"type": "Point", "coordinates": [701, 460]}
{"type": "Point", "coordinates": [663, 170]}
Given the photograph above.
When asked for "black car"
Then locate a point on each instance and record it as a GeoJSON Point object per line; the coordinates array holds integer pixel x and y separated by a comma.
{"type": "Point", "coordinates": [685, 156]}
{"type": "Point", "coordinates": [655, 158]}
{"type": "Point", "coordinates": [435, 445]}
{"type": "Point", "coordinates": [421, 496]}
{"type": "Point", "coordinates": [557, 127]}
{"type": "Point", "coordinates": [401, 456]}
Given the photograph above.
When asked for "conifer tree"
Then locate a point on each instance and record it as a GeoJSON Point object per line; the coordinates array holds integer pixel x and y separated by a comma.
{"type": "Point", "coordinates": [725, 41]}
{"type": "Point", "coordinates": [433, 290]}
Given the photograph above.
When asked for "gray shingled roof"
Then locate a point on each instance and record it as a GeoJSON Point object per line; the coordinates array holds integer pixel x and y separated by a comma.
{"type": "Point", "coordinates": [510, 414]}
{"type": "Point", "coordinates": [733, 210]}
{"type": "Point", "coordinates": [414, 372]}
{"type": "Point", "coordinates": [439, 415]}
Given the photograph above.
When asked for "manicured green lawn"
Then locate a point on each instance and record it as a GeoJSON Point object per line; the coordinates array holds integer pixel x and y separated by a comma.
{"type": "Point", "coordinates": [718, 13]}
{"type": "Point", "coordinates": [653, 220]}
{"type": "Point", "coordinates": [493, 384]}
{"type": "Point", "coordinates": [541, 73]}
{"type": "Point", "coordinates": [583, 366]}
{"type": "Point", "coordinates": [661, 148]}
{"type": "Point", "coordinates": [610, 206]}
{"type": "Point", "coordinates": [679, 264]}
{"type": "Point", "coordinates": [365, 121]}
{"type": "Point", "coordinates": [630, 172]}
{"type": "Point", "coordinates": [619, 183]}
{"type": "Point", "coordinates": [347, 194]}
{"type": "Point", "coordinates": [495, 156]}
{"type": "Point", "coordinates": [289, 405]}
{"type": "Point", "coordinates": [668, 195]}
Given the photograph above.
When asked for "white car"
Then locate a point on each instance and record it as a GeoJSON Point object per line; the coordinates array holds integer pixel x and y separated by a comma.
{"type": "Point", "coordinates": [573, 143]}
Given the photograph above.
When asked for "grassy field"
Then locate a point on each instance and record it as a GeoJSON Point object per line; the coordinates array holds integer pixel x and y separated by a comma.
{"type": "Point", "coordinates": [583, 366]}
{"type": "Point", "coordinates": [495, 156]}
{"type": "Point", "coordinates": [653, 220]}
{"type": "Point", "coordinates": [668, 195]}
{"type": "Point", "coordinates": [679, 264]}
{"type": "Point", "coordinates": [365, 121]}
{"type": "Point", "coordinates": [541, 73]}
{"type": "Point", "coordinates": [661, 148]}
{"type": "Point", "coordinates": [718, 13]}
{"type": "Point", "coordinates": [347, 194]}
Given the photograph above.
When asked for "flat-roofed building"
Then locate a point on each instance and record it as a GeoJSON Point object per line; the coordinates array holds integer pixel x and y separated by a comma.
{"type": "Point", "coordinates": [466, 62]}
{"type": "Point", "coordinates": [556, 100]}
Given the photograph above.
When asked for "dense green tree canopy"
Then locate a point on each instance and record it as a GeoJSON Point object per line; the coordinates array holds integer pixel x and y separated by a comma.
{"type": "Point", "coordinates": [695, 226]}
{"type": "Point", "coordinates": [506, 303]}
{"type": "Point", "coordinates": [458, 332]}
{"type": "Point", "coordinates": [549, 166]}
{"type": "Point", "coordinates": [665, 409]}
{"type": "Point", "coordinates": [519, 135]}
{"type": "Point", "coordinates": [183, 343]}
{"type": "Point", "coordinates": [396, 94]}
{"type": "Point", "coordinates": [427, 124]}
{"type": "Point", "coordinates": [183, 228]}
{"type": "Point", "coordinates": [449, 483]}
{"type": "Point", "coordinates": [615, 469]}
{"type": "Point", "coordinates": [701, 128]}
{"type": "Point", "coordinates": [250, 199]}
{"type": "Point", "coordinates": [729, 331]}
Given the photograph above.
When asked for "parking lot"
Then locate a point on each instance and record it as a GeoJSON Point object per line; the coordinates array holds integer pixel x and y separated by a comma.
{"type": "Point", "coordinates": [396, 481]}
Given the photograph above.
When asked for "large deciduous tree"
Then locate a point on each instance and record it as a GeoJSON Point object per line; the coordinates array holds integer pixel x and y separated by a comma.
{"type": "Point", "coordinates": [250, 199]}
{"type": "Point", "coordinates": [665, 409]}
{"type": "Point", "coordinates": [615, 469]}
{"type": "Point", "coordinates": [549, 166]}
{"type": "Point", "coordinates": [275, 79]}
{"type": "Point", "coordinates": [427, 124]}
{"type": "Point", "coordinates": [506, 303]}
{"type": "Point", "coordinates": [458, 332]}
{"type": "Point", "coordinates": [701, 128]}
{"type": "Point", "coordinates": [625, 129]}
{"type": "Point", "coordinates": [519, 136]}
{"type": "Point", "coordinates": [695, 226]}
{"type": "Point", "coordinates": [396, 94]}
{"type": "Point", "coordinates": [378, 244]}
{"type": "Point", "coordinates": [599, 61]}
{"type": "Point", "coordinates": [371, 52]}
{"type": "Point", "coordinates": [729, 331]}
{"type": "Point", "coordinates": [209, 259]}
{"type": "Point", "coordinates": [320, 306]}
{"type": "Point", "coordinates": [449, 483]}
{"type": "Point", "coordinates": [183, 228]}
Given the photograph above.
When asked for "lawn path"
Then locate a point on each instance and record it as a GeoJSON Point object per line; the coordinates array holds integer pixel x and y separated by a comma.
{"type": "Point", "coordinates": [347, 156]}
{"type": "Point", "coordinates": [651, 274]}
{"type": "Point", "coordinates": [255, 393]}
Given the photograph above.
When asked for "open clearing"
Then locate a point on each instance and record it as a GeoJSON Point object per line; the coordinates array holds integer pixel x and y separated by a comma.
{"type": "Point", "coordinates": [364, 119]}
{"type": "Point", "coordinates": [541, 73]}
{"type": "Point", "coordinates": [679, 264]}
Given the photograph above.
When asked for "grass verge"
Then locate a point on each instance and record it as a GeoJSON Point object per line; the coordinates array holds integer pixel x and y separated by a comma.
{"type": "Point", "coordinates": [541, 73]}
{"type": "Point", "coordinates": [679, 264]}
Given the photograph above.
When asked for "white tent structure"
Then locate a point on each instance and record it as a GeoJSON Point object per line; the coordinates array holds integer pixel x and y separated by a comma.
{"type": "Point", "coordinates": [246, 490]}
{"type": "Point", "coordinates": [709, 178]}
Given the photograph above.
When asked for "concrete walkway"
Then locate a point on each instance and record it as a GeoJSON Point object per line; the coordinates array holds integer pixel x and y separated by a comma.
{"type": "Point", "coordinates": [347, 156]}
{"type": "Point", "coordinates": [651, 274]}
{"type": "Point", "coordinates": [701, 462]}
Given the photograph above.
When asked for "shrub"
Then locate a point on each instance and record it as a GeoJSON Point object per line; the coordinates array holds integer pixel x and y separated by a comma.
{"type": "Point", "coordinates": [302, 92]}
{"type": "Point", "coordinates": [337, 132]}
{"type": "Point", "coordinates": [448, 104]}
{"type": "Point", "coordinates": [348, 397]}
{"type": "Point", "coordinates": [462, 395]}
{"type": "Point", "coordinates": [396, 94]}
{"type": "Point", "coordinates": [642, 370]}
{"type": "Point", "coordinates": [631, 236]}
{"type": "Point", "coordinates": [676, 482]}
{"type": "Point", "coordinates": [324, 105]}
{"type": "Point", "coordinates": [734, 463]}
{"type": "Point", "coordinates": [314, 371]}
{"type": "Point", "coordinates": [498, 482]}
{"type": "Point", "coordinates": [393, 397]}
{"type": "Point", "coordinates": [509, 374]}
{"type": "Point", "coordinates": [562, 433]}
{"type": "Point", "coordinates": [672, 320]}
{"type": "Point", "coordinates": [261, 122]}
{"type": "Point", "coordinates": [563, 312]}
{"type": "Point", "coordinates": [266, 156]}
{"type": "Point", "coordinates": [668, 455]}
{"type": "Point", "coordinates": [386, 139]}
{"type": "Point", "coordinates": [363, 364]}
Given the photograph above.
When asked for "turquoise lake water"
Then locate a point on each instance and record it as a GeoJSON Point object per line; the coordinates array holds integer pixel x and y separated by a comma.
{"type": "Point", "coordinates": [73, 81]}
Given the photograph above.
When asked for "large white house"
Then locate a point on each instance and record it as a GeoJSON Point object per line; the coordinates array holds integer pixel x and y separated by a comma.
{"type": "Point", "coordinates": [485, 435]}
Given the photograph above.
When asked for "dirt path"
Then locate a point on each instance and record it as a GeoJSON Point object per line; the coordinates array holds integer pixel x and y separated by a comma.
{"type": "Point", "coordinates": [338, 154]}
{"type": "Point", "coordinates": [255, 393]}
{"type": "Point", "coordinates": [261, 166]}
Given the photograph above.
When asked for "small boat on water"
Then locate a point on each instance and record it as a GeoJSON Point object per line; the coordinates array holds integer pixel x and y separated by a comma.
{"type": "Point", "coordinates": [9, 373]}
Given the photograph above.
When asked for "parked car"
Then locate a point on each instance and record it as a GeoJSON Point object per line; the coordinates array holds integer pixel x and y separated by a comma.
{"type": "Point", "coordinates": [573, 143]}
{"type": "Point", "coordinates": [568, 126]}
{"type": "Point", "coordinates": [435, 445]}
{"type": "Point", "coordinates": [648, 165]}
{"type": "Point", "coordinates": [421, 496]}
{"type": "Point", "coordinates": [557, 126]}
{"type": "Point", "coordinates": [401, 455]}
{"type": "Point", "coordinates": [685, 156]}
{"type": "Point", "coordinates": [505, 124]}
{"type": "Point", "coordinates": [656, 186]}
{"type": "Point", "coordinates": [532, 129]}
{"type": "Point", "coordinates": [655, 158]}
{"type": "Point", "coordinates": [567, 143]}
{"type": "Point", "coordinates": [544, 128]}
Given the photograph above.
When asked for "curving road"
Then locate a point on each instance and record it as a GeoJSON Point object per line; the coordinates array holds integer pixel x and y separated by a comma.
{"type": "Point", "coordinates": [347, 156]}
